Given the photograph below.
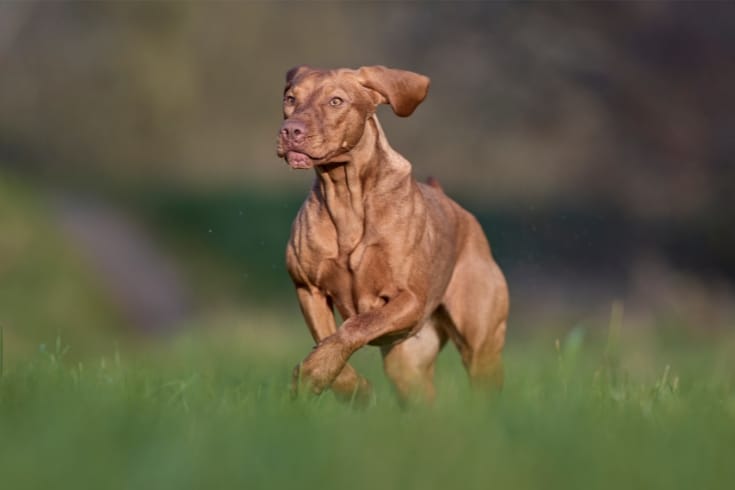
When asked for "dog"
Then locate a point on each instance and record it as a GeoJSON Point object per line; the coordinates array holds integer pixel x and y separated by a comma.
{"type": "Point", "coordinates": [404, 265]}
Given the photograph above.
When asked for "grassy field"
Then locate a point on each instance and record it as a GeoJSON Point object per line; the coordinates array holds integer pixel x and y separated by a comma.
{"type": "Point", "coordinates": [211, 410]}
{"type": "Point", "coordinates": [85, 404]}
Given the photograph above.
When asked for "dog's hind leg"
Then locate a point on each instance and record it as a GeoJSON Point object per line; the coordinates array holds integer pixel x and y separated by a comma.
{"type": "Point", "coordinates": [410, 364]}
{"type": "Point", "coordinates": [476, 303]}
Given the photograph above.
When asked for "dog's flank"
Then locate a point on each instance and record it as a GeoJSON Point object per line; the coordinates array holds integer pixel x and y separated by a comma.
{"type": "Point", "coordinates": [404, 265]}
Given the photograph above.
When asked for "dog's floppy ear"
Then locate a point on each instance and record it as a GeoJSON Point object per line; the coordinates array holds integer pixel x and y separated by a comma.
{"type": "Point", "coordinates": [294, 72]}
{"type": "Point", "coordinates": [403, 90]}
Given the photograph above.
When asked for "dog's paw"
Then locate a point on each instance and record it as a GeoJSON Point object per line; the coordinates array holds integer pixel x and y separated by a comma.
{"type": "Point", "coordinates": [313, 376]}
{"type": "Point", "coordinates": [352, 388]}
{"type": "Point", "coordinates": [309, 378]}
{"type": "Point", "coordinates": [307, 381]}
{"type": "Point", "coordinates": [320, 368]}
{"type": "Point", "coordinates": [358, 394]}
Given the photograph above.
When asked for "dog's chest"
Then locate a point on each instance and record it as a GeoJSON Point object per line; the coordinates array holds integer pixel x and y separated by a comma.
{"type": "Point", "coordinates": [358, 280]}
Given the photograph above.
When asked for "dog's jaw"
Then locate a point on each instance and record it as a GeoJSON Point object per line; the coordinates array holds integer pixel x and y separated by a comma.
{"type": "Point", "coordinates": [299, 160]}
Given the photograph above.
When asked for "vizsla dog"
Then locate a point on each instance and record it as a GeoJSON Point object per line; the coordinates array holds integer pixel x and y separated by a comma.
{"type": "Point", "coordinates": [404, 265]}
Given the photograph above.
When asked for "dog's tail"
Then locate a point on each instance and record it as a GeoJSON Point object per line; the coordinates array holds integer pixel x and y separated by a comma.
{"type": "Point", "coordinates": [433, 182]}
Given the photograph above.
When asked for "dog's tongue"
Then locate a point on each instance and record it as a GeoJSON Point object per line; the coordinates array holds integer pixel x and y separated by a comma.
{"type": "Point", "coordinates": [299, 160]}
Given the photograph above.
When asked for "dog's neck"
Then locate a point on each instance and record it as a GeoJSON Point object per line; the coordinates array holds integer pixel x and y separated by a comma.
{"type": "Point", "coordinates": [374, 169]}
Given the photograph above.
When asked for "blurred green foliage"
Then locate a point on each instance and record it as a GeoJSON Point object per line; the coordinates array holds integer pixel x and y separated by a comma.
{"type": "Point", "coordinates": [46, 288]}
{"type": "Point", "coordinates": [240, 233]}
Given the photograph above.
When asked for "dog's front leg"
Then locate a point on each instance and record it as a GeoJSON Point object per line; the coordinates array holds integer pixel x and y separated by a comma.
{"type": "Point", "coordinates": [325, 363]}
{"type": "Point", "coordinates": [319, 316]}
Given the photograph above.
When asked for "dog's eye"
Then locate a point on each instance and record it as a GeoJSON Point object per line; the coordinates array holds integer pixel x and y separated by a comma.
{"type": "Point", "coordinates": [289, 99]}
{"type": "Point", "coordinates": [335, 101]}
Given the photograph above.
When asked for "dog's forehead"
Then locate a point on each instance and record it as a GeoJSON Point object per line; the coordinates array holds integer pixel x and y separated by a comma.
{"type": "Point", "coordinates": [315, 79]}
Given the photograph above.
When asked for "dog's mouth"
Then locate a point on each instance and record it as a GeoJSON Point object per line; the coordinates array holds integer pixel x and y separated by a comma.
{"type": "Point", "coordinates": [299, 160]}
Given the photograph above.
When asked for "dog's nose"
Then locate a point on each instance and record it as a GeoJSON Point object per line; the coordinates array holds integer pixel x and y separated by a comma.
{"type": "Point", "coordinates": [293, 131]}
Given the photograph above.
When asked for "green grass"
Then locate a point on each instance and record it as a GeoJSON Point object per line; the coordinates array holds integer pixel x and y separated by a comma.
{"type": "Point", "coordinates": [212, 410]}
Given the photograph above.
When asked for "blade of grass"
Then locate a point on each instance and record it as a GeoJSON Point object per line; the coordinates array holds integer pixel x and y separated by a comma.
{"type": "Point", "coordinates": [611, 357]}
{"type": "Point", "coordinates": [1, 352]}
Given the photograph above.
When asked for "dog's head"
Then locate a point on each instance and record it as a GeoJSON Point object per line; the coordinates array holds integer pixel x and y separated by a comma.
{"type": "Point", "coordinates": [325, 111]}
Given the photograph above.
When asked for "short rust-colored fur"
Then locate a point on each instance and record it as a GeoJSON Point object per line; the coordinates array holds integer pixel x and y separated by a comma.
{"type": "Point", "coordinates": [404, 265]}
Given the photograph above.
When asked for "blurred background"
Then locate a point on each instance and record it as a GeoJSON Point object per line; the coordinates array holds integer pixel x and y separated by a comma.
{"type": "Point", "coordinates": [140, 194]}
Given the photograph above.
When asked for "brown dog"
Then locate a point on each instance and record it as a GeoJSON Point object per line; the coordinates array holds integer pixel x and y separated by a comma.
{"type": "Point", "coordinates": [404, 265]}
